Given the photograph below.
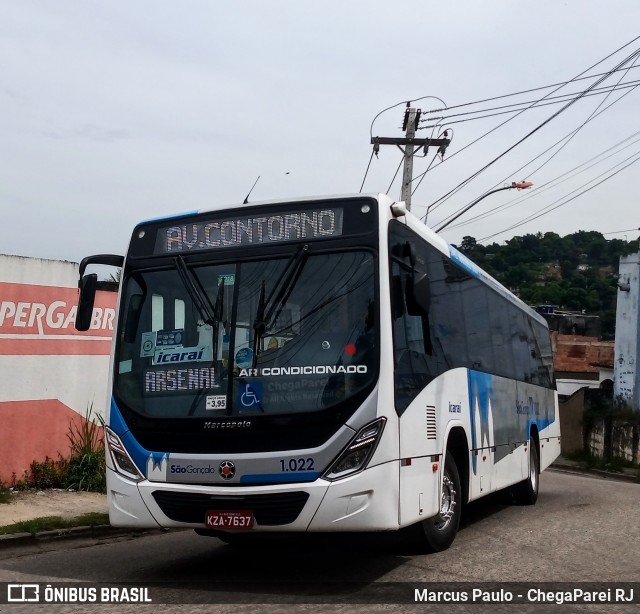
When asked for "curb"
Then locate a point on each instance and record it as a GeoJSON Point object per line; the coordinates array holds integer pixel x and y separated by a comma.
{"type": "Point", "coordinates": [579, 470]}
{"type": "Point", "coordinates": [22, 539]}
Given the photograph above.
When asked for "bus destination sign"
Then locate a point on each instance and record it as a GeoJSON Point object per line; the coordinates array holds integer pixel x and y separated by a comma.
{"type": "Point", "coordinates": [244, 231]}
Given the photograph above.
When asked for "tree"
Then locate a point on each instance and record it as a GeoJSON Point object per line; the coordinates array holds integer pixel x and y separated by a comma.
{"type": "Point", "coordinates": [522, 260]}
{"type": "Point", "coordinates": [468, 245]}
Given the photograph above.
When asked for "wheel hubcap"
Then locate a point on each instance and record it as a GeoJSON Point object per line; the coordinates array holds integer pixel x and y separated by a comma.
{"type": "Point", "coordinates": [533, 475]}
{"type": "Point", "coordinates": [447, 505]}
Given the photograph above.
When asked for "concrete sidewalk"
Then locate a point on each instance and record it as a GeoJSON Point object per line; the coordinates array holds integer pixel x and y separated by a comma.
{"type": "Point", "coordinates": [28, 505]}
{"type": "Point", "coordinates": [31, 505]}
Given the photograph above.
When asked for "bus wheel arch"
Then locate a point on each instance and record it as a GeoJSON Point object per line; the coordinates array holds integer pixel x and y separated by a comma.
{"type": "Point", "coordinates": [458, 446]}
{"type": "Point", "coordinates": [526, 492]}
{"type": "Point", "coordinates": [438, 533]}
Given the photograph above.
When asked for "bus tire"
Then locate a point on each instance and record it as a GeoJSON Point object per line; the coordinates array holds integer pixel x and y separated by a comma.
{"type": "Point", "coordinates": [437, 533]}
{"type": "Point", "coordinates": [526, 492]}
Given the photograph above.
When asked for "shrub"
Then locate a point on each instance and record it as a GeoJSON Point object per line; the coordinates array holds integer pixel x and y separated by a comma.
{"type": "Point", "coordinates": [85, 469]}
{"type": "Point", "coordinates": [48, 473]}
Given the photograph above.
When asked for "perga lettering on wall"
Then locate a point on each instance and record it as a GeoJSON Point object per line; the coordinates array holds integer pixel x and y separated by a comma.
{"type": "Point", "coordinates": [28, 310]}
{"type": "Point", "coordinates": [40, 320]}
{"type": "Point", "coordinates": [212, 234]}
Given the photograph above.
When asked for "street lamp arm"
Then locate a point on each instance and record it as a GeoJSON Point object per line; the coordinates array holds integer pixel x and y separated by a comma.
{"type": "Point", "coordinates": [521, 185]}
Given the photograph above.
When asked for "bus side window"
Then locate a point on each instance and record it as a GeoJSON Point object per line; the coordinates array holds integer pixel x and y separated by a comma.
{"type": "Point", "coordinates": [412, 372]}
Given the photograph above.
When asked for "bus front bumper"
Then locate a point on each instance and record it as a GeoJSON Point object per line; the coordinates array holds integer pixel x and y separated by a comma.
{"type": "Point", "coordinates": [366, 501]}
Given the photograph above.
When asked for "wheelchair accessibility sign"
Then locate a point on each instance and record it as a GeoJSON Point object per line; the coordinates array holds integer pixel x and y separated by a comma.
{"type": "Point", "coordinates": [251, 395]}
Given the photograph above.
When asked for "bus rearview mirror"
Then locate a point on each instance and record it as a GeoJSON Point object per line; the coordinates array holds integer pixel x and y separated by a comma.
{"type": "Point", "coordinates": [88, 286]}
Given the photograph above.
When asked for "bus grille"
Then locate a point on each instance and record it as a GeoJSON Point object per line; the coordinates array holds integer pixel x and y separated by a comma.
{"type": "Point", "coordinates": [431, 422]}
{"type": "Point", "coordinates": [268, 510]}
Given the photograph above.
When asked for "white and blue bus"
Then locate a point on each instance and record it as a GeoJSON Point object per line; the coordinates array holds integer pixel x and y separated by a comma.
{"type": "Point", "coordinates": [319, 365]}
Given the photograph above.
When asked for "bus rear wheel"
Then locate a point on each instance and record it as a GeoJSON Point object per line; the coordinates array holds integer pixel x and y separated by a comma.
{"type": "Point", "coordinates": [437, 533]}
{"type": "Point", "coordinates": [526, 492]}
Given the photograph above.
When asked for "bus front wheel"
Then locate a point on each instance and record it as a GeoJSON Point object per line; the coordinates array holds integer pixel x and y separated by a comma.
{"type": "Point", "coordinates": [437, 533]}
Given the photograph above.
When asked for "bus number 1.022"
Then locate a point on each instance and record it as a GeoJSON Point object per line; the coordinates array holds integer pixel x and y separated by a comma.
{"type": "Point", "coordinates": [296, 464]}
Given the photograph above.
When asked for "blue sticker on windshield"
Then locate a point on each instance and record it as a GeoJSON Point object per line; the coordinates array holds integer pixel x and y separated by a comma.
{"type": "Point", "coordinates": [244, 358]}
{"type": "Point", "coordinates": [251, 395]}
{"type": "Point", "coordinates": [169, 338]}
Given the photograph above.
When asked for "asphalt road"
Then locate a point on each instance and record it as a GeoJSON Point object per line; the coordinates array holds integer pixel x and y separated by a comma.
{"type": "Point", "coordinates": [583, 529]}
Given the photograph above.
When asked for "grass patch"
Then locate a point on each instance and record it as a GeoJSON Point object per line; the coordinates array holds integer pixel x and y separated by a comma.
{"type": "Point", "coordinates": [5, 496]}
{"type": "Point", "coordinates": [51, 523]}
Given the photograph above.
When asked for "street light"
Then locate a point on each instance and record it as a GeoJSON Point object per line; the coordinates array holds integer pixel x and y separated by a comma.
{"type": "Point", "coordinates": [520, 185]}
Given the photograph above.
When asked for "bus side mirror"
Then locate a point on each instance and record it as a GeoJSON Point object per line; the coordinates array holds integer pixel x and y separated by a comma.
{"type": "Point", "coordinates": [418, 294]}
{"type": "Point", "coordinates": [88, 286]}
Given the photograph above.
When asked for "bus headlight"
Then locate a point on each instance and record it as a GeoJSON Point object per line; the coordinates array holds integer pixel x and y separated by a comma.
{"type": "Point", "coordinates": [356, 455]}
{"type": "Point", "coordinates": [120, 457]}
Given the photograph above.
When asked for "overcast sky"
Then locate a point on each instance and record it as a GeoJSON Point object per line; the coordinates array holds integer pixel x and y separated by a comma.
{"type": "Point", "coordinates": [116, 112]}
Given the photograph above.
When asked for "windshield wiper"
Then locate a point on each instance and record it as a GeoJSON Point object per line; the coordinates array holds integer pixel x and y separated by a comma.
{"type": "Point", "coordinates": [269, 309]}
{"type": "Point", "coordinates": [196, 292]}
{"type": "Point", "coordinates": [211, 314]}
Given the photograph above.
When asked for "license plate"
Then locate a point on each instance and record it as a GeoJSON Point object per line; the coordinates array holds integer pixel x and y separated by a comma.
{"type": "Point", "coordinates": [229, 519]}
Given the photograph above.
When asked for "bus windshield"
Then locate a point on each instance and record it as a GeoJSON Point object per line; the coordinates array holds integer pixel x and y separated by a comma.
{"type": "Point", "coordinates": [288, 335]}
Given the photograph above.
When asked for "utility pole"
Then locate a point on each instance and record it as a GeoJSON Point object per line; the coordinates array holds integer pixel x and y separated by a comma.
{"type": "Point", "coordinates": [411, 118]}
{"type": "Point", "coordinates": [409, 125]}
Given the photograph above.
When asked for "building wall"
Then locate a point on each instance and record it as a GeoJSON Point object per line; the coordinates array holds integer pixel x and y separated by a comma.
{"type": "Point", "coordinates": [581, 361]}
{"type": "Point", "coordinates": [625, 382]}
{"type": "Point", "coordinates": [614, 439]}
{"type": "Point", "coordinates": [50, 374]}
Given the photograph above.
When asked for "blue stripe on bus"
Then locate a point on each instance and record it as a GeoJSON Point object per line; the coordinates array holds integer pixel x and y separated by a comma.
{"type": "Point", "coordinates": [480, 392]}
{"type": "Point", "coordinates": [116, 421]}
{"type": "Point", "coordinates": [463, 262]}
{"type": "Point", "coordinates": [271, 478]}
{"type": "Point", "coordinates": [540, 423]}
{"type": "Point", "coordinates": [138, 454]}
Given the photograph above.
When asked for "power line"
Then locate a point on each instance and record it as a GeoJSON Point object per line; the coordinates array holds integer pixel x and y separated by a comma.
{"type": "Point", "coordinates": [568, 136]}
{"type": "Point", "coordinates": [618, 66]}
{"type": "Point", "coordinates": [395, 175]}
{"type": "Point", "coordinates": [393, 106]}
{"type": "Point", "coordinates": [432, 159]}
{"type": "Point", "coordinates": [584, 123]}
{"type": "Point", "coordinates": [550, 208]}
{"type": "Point", "coordinates": [556, 100]}
{"type": "Point", "coordinates": [535, 89]}
{"type": "Point", "coordinates": [532, 132]}
{"type": "Point", "coordinates": [367, 171]}
{"type": "Point", "coordinates": [425, 173]}
{"type": "Point", "coordinates": [616, 232]}
{"type": "Point", "coordinates": [549, 184]}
